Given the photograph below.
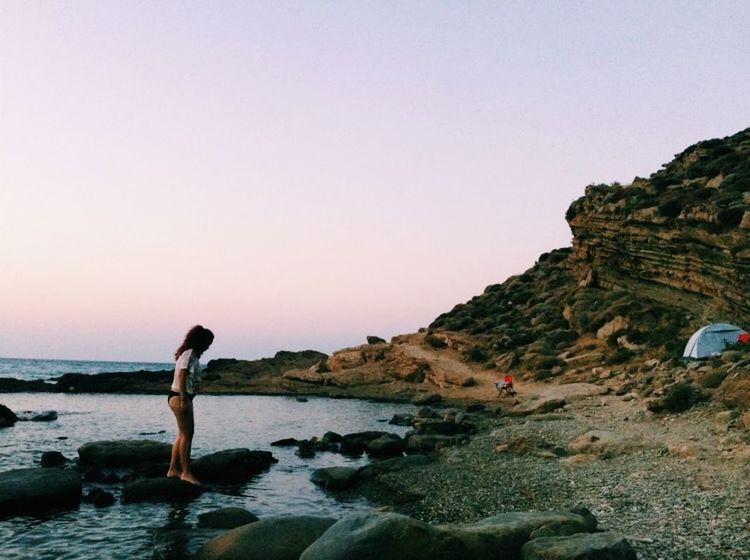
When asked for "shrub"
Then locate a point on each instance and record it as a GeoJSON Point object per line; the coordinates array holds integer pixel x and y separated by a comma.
{"type": "Point", "coordinates": [435, 341]}
{"type": "Point", "coordinates": [476, 354]}
{"type": "Point", "coordinates": [619, 356]}
{"type": "Point", "coordinates": [713, 379]}
{"type": "Point", "coordinates": [730, 217]}
{"type": "Point", "coordinates": [671, 208]}
{"type": "Point", "coordinates": [678, 398]}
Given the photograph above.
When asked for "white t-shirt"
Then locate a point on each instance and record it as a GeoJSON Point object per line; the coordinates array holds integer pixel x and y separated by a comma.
{"type": "Point", "coordinates": [188, 361]}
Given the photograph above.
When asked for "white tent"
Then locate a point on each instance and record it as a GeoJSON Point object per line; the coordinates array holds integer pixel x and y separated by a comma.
{"type": "Point", "coordinates": [711, 339]}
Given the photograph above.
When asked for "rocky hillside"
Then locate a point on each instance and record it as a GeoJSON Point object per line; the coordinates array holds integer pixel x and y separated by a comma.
{"type": "Point", "coordinates": [650, 263]}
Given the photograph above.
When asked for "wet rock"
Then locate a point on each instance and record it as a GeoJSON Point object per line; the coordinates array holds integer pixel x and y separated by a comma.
{"type": "Point", "coordinates": [7, 417]}
{"type": "Point", "coordinates": [286, 442]}
{"type": "Point", "coordinates": [226, 518]}
{"type": "Point", "coordinates": [161, 490]}
{"type": "Point", "coordinates": [123, 453]}
{"type": "Point", "coordinates": [231, 465]}
{"type": "Point", "coordinates": [332, 437]}
{"type": "Point", "coordinates": [37, 490]}
{"type": "Point", "coordinates": [334, 478]}
{"type": "Point", "coordinates": [402, 420]}
{"type": "Point", "coordinates": [275, 538]}
{"type": "Point", "coordinates": [99, 497]}
{"type": "Point", "coordinates": [602, 546]}
{"type": "Point", "coordinates": [33, 416]}
{"type": "Point", "coordinates": [53, 459]}
{"type": "Point", "coordinates": [355, 444]}
{"type": "Point", "coordinates": [391, 465]}
{"type": "Point", "coordinates": [389, 445]}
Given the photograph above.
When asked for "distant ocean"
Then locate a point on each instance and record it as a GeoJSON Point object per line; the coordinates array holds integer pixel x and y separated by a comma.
{"type": "Point", "coordinates": [30, 370]}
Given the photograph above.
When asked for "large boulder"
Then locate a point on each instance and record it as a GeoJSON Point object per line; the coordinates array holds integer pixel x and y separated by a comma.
{"type": "Point", "coordinates": [275, 538]}
{"type": "Point", "coordinates": [160, 490]}
{"type": "Point", "coordinates": [391, 536]}
{"type": "Point", "coordinates": [7, 417]}
{"type": "Point", "coordinates": [586, 546]}
{"type": "Point", "coordinates": [123, 453]}
{"type": "Point", "coordinates": [389, 445]}
{"type": "Point", "coordinates": [37, 489]}
{"type": "Point", "coordinates": [231, 465]}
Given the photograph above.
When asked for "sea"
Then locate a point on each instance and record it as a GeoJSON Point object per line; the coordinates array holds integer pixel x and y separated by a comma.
{"type": "Point", "coordinates": [139, 531]}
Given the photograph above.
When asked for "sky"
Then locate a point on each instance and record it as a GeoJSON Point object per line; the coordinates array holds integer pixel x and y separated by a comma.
{"type": "Point", "coordinates": [299, 175]}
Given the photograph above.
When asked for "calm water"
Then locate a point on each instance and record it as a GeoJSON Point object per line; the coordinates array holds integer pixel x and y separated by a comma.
{"type": "Point", "coordinates": [222, 422]}
{"type": "Point", "coordinates": [31, 370]}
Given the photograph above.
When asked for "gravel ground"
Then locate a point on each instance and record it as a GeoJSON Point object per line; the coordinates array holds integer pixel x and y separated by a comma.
{"type": "Point", "coordinates": [690, 502]}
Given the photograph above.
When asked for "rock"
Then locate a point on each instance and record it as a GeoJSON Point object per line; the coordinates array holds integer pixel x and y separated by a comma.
{"type": "Point", "coordinates": [426, 412]}
{"type": "Point", "coordinates": [33, 416]}
{"type": "Point", "coordinates": [427, 399]}
{"type": "Point", "coordinates": [744, 421]}
{"type": "Point", "coordinates": [99, 497]}
{"type": "Point", "coordinates": [226, 518]}
{"type": "Point", "coordinates": [334, 478]}
{"type": "Point", "coordinates": [507, 361]}
{"type": "Point", "coordinates": [332, 437]}
{"type": "Point", "coordinates": [124, 453]}
{"type": "Point", "coordinates": [286, 442]}
{"type": "Point", "coordinates": [441, 427]}
{"type": "Point", "coordinates": [725, 419]}
{"type": "Point", "coordinates": [231, 465]}
{"type": "Point", "coordinates": [375, 340]}
{"type": "Point", "coordinates": [275, 538]}
{"type": "Point", "coordinates": [310, 375]}
{"type": "Point", "coordinates": [7, 417]}
{"type": "Point", "coordinates": [53, 459]}
{"type": "Point", "coordinates": [402, 420]}
{"type": "Point", "coordinates": [417, 443]}
{"type": "Point", "coordinates": [604, 443]}
{"type": "Point", "coordinates": [36, 490]}
{"type": "Point", "coordinates": [617, 324]}
{"type": "Point", "coordinates": [161, 490]}
{"type": "Point", "coordinates": [599, 546]}
{"type": "Point", "coordinates": [540, 405]}
{"type": "Point", "coordinates": [355, 444]}
{"type": "Point", "coordinates": [391, 465]}
{"type": "Point", "coordinates": [391, 536]}
{"type": "Point", "coordinates": [389, 445]}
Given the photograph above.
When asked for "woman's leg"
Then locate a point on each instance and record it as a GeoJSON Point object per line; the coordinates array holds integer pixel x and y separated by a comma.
{"type": "Point", "coordinates": [186, 443]}
{"type": "Point", "coordinates": [174, 462]}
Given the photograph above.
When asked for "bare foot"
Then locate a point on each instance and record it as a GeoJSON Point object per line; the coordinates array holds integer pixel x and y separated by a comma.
{"type": "Point", "coordinates": [173, 473]}
{"type": "Point", "coordinates": [190, 478]}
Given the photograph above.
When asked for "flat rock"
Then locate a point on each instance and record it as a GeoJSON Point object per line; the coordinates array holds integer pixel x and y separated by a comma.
{"type": "Point", "coordinates": [124, 453]}
{"type": "Point", "coordinates": [539, 405]}
{"type": "Point", "coordinates": [391, 465]}
{"type": "Point", "coordinates": [599, 546]}
{"type": "Point", "coordinates": [334, 478]}
{"type": "Point", "coordinates": [37, 490]}
{"type": "Point", "coordinates": [226, 518]}
{"type": "Point", "coordinates": [160, 490]}
{"type": "Point", "coordinates": [275, 538]}
{"type": "Point", "coordinates": [604, 443]}
{"type": "Point", "coordinates": [231, 465]}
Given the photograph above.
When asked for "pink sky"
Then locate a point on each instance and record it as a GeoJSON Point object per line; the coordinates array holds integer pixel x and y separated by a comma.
{"type": "Point", "coordinates": [301, 175]}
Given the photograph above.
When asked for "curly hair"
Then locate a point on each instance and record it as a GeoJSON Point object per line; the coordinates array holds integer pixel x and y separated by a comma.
{"type": "Point", "coordinates": [198, 339]}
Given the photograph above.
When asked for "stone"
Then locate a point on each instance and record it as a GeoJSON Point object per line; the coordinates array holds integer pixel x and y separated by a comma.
{"type": "Point", "coordinates": [225, 518]}
{"type": "Point", "coordinates": [417, 443]}
{"type": "Point", "coordinates": [390, 445]}
{"type": "Point", "coordinates": [334, 478]}
{"type": "Point", "coordinates": [310, 375]}
{"type": "Point", "coordinates": [539, 405]}
{"type": "Point", "coordinates": [604, 443]}
{"type": "Point", "coordinates": [37, 490]}
{"type": "Point", "coordinates": [375, 340]}
{"type": "Point", "coordinates": [99, 497]}
{"type": "Point", "coordinates": [161, 490]}
{"type": "Point", "coordinates": [231, 465]}
{"type": "Point", "coordinates": [724, 420]}
{"type": "Point", "coordinates": [274, 538]}
{"type": "Point", "coordinates": [53, 459]}
{"type": "Point", "coordinates": [7, 417]}
{"type": "Point", "coordinates": [391, 536]}
{"type": "Point", "coordinates": [124, 453]}
{"type": "Point", "coordinates": [616, 324]}
{"type": "Point", "coordinates": [393, 464]}
{"type": "Point", "coordinates": [402, 420]}
{"type": "Point", "coordinates": [599, 546]}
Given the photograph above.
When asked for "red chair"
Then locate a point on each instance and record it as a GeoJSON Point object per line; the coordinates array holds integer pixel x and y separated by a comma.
{"type": "Point", "coordinates": [505, 387]}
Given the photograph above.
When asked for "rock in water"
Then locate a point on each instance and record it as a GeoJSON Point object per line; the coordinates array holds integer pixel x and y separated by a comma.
{"type": "Point", "coordinates": [53, 459]}
{"type": "Point", "coordinates": [160, 490]}
{"type": "Point", "coordinates": [124, 453]}
{"type": "Point", "coordinates": [37, 490]}
{"type": "Point", "coordinates": [275, 538]}
{"type": "Point", "coordinates": [231, 465]}
{"type": "Point", "coordinates": [334, 478]}
{"type": "Point", "coordinates": [226, 518]}
{"type": "Point", "coordinates": [7, 417]}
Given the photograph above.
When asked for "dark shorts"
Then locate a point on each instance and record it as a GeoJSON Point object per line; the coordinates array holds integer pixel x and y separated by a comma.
{"type": "Point", "coordinates": [190, 396]}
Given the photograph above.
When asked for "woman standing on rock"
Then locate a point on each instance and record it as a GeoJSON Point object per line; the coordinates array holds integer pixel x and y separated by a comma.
{"type": "Point", "coordinates": [184, 386]}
